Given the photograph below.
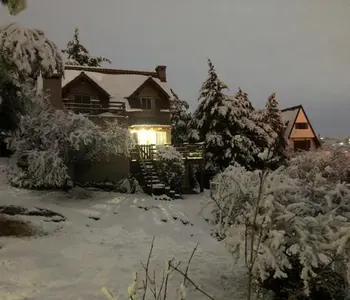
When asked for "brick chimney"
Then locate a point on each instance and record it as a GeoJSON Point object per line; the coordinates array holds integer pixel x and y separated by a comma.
{"type": "Point", "coordinates": [161, 71]}
{"type": "Point", "coordinates": [53, 87]}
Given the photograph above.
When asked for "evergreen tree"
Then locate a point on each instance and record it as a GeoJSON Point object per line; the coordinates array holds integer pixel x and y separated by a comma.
{"type": "Point", "coordinates": [179, 120]}
{"type": "Point", "coordinates": [11, 98]}
{"type": "Point", "coordinates": [250, 136]}
{"type": "Point", "coordinates": [80, 55]}
{"type": "Point", "coordinates": [210, 123]}
{"type": "Point", "coordinates": [229, 127]}
{"type": "Point", "coordinates": [14, 6]}
{"type": "Point", "coordinates": [272, 115]}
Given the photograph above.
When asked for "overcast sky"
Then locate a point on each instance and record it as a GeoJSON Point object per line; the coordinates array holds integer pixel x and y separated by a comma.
{"type": "Point", "coordinates": [299, 49]}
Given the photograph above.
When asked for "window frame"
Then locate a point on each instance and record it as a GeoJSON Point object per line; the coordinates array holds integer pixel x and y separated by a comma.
{"type": "Point", "coordinates": [304, 125]}
{"type": "Point", "coordinates": [147, 100]}
{"type": "Point", "coordinates": [82, 96]}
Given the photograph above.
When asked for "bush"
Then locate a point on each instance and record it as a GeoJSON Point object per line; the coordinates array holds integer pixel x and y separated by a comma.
{"type": "Point", "coordinates": [48, 140]}
{"type": "Point", "coordinates": [327, 284]}
{"type": "Point", "coordinates": [272, 219]}
{"type": "Point", "coordinates": [129, 185]}
{"type": "Point", "coordinates": [170, 166]}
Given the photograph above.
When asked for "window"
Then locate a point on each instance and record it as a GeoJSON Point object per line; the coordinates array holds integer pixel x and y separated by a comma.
{"type": "Point", "coordinates": [302, 145]}
{"type": "Point", "coordinates": [85, 99]}
{"type": "Point", "coordinates": [301, 125]}
{"type": "Point", "coordinates": [146, 103]}
{"type": "Point", "coordinates": [160, 137]}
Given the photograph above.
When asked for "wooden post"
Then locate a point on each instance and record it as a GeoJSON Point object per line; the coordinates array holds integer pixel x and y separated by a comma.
{"type": "Point", "coordinates": [201, 177]}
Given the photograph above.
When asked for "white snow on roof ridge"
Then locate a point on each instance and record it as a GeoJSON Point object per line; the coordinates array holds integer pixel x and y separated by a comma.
{"type": "Point", "coordinates": [118, 86]}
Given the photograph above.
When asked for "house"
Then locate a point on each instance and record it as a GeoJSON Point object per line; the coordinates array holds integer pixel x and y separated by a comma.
{"type": "Point", "coordinates": [299, 132]}
{"type": "Point", "coordinates": [138, 99]}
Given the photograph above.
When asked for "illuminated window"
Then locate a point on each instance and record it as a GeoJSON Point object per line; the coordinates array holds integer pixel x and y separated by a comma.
{"type": "Point", "coordinates": [149, 136]}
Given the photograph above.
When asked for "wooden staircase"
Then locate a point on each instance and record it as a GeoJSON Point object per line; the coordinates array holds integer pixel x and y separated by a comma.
{"type": "Point", "coordinates": [143, 168]}
{"type": "Point", "coordinates": [152, 184]}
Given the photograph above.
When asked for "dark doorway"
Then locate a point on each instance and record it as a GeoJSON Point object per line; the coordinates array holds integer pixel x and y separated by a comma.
{"type": "Point", "coordinates": [302, 145]}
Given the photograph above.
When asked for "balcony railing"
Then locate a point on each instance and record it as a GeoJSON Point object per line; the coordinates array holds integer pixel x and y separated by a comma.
{"type": "Point", "coordinates": [148, 152]}
{"type": "Point", "coordinates": [94, 107]}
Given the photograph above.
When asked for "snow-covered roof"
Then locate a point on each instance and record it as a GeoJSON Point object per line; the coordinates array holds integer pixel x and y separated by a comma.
{"type": "Point", "coordinates": [118, 85]}
{"type": "Point", "coordinates": [289, 115]}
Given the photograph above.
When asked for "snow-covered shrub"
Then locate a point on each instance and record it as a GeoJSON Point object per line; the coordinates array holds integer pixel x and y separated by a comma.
{"type": "Point", "coordinates": [170, 166]}
{"type": "Point", "coordinates": [267, 219]}
{"type": "Point", "coordinates": [333, 164]}
{"type": "Point", "coordinates": [48, 141]}
{"type": "Point", "coordinates": [129, 185]}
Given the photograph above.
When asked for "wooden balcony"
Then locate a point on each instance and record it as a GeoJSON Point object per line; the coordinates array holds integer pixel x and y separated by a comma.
{"type": "Point", "coordinates": [148, 152]}
{"type": "Point", "coordinates": [94, 107]}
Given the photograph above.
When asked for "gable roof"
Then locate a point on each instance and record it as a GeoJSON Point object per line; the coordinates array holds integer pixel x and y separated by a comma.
{"type": "Point", "coordinates": [82, 75]}
{"type": "Point", "coordinates": [289, 116]}
{"type": "Point", "coordinates": [119, 84]}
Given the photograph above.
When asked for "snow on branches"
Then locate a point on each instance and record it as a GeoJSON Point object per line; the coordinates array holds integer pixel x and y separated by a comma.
{"type": "Point", "coordinates": [267, 218]}
{"type": "Point", "coordinates": [77, 54]}
{"type": "Point", "coordinates": [231, 130]}
{"type": "Point", "coordinates": [272, 116]}
{"type": "Point", "coordinates": [30, 50]}
{"type": "Point", "coordinates": [15, 6]}
{"type": "Point", "coordinates": [49, 140]}
{"type": "Point", "coordinates": [170, 166]}
{"type": "Point", "coordinates": [179, 120]}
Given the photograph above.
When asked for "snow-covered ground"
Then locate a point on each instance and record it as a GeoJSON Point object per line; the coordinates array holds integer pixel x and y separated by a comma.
{"type": "Point", "coordinates": [76, 258]}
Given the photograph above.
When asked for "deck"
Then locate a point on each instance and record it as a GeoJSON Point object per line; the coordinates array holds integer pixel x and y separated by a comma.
{"type": "Point", "coordinates": [149, 152]}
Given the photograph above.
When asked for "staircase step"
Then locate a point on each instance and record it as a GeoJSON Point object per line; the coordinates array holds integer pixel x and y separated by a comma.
{"type": "Point", "coordinates": [158, 186]}
{"type": "Point", "coordinates": [152, 176]}
{"type": "Point", "coordinates": [153, 181]}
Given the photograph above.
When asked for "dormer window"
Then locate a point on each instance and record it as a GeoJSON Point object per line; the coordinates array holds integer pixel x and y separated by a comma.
{"type": "Point", "coordinates": [146, 103]}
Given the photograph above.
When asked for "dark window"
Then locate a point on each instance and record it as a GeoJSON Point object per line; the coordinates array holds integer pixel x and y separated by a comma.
{"type": "Point", "coordinates": [85, 99]}
{"type": "Point", "coordinates": [301, 125]}
{"type": "Point", "coordinates": [146, 103]}
{"type": "Point", "coordinates": [302, 145]}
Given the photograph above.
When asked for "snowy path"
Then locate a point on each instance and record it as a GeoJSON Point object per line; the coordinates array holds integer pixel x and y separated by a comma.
{"type": "Point", "coordinates": [87, 254]}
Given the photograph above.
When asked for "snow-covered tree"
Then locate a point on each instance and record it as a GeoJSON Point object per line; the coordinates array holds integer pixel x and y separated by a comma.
{"type": "Point", "coordinates": [170, 167]}
{"type": "Point", "coordinates": [210, 122]}
{"type": "Point", "coordinates": [281, 224]}
{"type": "Point", "coordinates": [180, 118]}
{"type": "Point", "coordinates": [30, 51]}
{"type": "Point", "coordinates": [228, 126]}
{"type": "Point", "coordinates": [13, 97]}
{"type": "Point", "coordinates": [78, 53]}
{"type": "Point", "coordinates": [272, 116]}
{"type": "Point", "coordinates": [251, 135]}
{"type": "Point", "coordinates": [14, 6]}
{"type": "Point", "coordinates": [49, 140]}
